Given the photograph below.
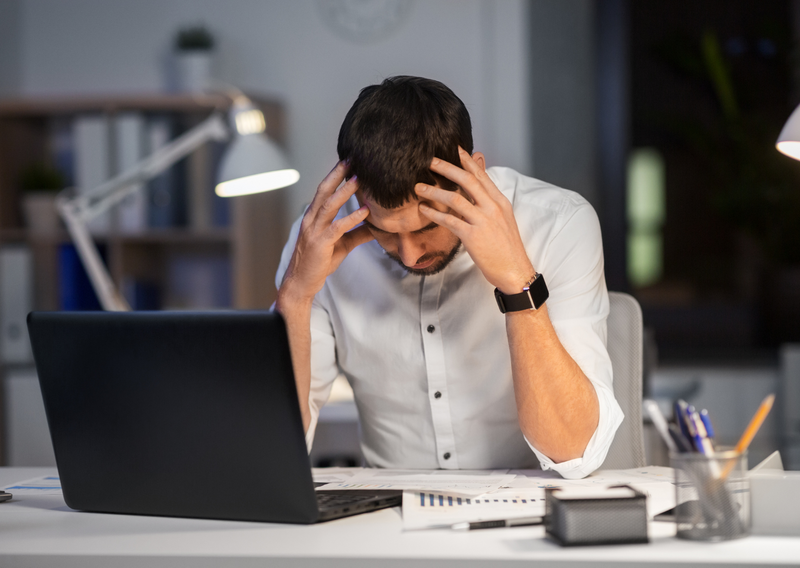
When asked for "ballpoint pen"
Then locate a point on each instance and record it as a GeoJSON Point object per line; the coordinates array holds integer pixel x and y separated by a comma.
{"type": "Point", "coordinates": [680, 418]}
{"type": "Point", "coordinates": [498, 524]}
{"type": "Point", "coordinates": [691, 430]}
{"type": "Point", "coordinates": [707, 423]}
{"type": "Point", "coordinates": [684, 446]}
{"type": "Point", "coordinates": [702, 441]}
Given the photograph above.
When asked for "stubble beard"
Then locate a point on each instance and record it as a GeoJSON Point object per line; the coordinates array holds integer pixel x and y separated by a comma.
{"type": "Point", "coordinates": [445, 258]}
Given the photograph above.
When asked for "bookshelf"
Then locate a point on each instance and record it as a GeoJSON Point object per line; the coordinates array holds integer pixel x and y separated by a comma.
{"type": "Point", "coordinates": [251, 243]}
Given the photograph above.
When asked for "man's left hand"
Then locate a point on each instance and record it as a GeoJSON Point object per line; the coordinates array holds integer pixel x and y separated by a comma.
{"type": "Point", "coordinates": [485, 222]}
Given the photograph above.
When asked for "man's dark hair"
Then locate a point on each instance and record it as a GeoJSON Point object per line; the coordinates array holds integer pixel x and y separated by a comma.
{"type": "Point", "coordinates": [394, 130]}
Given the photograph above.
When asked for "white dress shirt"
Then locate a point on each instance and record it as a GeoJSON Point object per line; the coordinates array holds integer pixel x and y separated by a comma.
{"type": "Point", "coordinates": [428, 357]}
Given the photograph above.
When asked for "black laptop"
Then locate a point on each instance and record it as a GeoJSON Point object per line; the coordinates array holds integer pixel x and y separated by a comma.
{"type": "Point", "coordinates": [187, 414]}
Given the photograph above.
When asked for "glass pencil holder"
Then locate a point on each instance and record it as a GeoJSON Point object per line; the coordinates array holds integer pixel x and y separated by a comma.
{"type": "Point", "coordinates": [712, 495]}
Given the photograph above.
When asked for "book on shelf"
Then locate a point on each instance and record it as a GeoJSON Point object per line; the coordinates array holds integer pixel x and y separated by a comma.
{"type": "Point", "coordinates": [75, 290]}
{"type": "Point", "coordinates": [16, 300]}
{"type": "Point", "coordinates": [199, 281]}
{"type": "Point", "coordinates": [160, 189]}
{"type": "Point", "coordinates": [142, 295]}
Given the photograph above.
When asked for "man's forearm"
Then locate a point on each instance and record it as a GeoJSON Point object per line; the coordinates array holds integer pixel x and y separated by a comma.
{"type": "Point", "coordinates": [557, 405]}
{"type": "Point", "coordinates": [297, 315]}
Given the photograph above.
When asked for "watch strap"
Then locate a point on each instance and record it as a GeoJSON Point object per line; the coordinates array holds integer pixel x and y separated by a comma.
{"type": "Point", "coordinates": [531, 298]}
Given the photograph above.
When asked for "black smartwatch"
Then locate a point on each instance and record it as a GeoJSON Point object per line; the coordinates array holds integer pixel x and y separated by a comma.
{"type": "Point", "coordinates": [533, 295]}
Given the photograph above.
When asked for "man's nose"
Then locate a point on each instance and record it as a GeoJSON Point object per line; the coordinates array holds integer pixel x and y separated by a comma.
{"type": "Point", "coordinates": [409, 250]}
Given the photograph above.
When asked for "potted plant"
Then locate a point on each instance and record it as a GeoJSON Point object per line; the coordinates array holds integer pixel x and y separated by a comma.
{"type": "Point", "coordinates": [194, 49]}
{"type": "Point", "coordinates": [39, 184]}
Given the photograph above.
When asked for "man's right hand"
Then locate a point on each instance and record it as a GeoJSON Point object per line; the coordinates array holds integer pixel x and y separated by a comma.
{"type": "Point", "coordinates": [323, 241]}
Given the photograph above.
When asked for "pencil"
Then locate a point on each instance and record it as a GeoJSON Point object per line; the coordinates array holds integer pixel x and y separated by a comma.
{"type": "Point", "coordinates": [750, 431]}
{"type": "Point", "coordinates": [755, 424]}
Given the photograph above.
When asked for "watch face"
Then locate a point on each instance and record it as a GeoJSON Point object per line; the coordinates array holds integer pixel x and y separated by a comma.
{"type": "Point", "coordinates": [364, 21]}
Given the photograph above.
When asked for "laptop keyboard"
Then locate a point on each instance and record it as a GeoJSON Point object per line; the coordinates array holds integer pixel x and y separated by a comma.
{"type": "Point", "coordinates": [337, 504]}
{"type": "Point", "coordinates": [340, 498]}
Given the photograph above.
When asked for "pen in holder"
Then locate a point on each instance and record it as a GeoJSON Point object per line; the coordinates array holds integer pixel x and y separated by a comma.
{"type": "Point", "coordinates": [713, 495]}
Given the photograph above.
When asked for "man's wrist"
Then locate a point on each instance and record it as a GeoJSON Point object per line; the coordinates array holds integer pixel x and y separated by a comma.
{"type": "Point", "coordinates": [289, 300]}
{"type": "Point", "coordinates": [515, 282]}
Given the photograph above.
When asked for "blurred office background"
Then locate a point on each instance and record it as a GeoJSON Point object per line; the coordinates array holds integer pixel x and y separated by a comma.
{"type": "Point", "coordinates": [663, 115]}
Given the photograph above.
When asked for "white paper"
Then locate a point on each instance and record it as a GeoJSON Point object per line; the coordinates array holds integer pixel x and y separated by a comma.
{"type": "Point", "coordinates": [450, 481]}
{"type": "Point", "coordinates": [334, 474]}
{"type": "Point", "coordinates": [46, 485]}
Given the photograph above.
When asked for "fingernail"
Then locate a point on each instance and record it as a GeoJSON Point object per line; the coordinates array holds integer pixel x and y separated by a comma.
{"type": "Point", "coordinates": [422, 188]}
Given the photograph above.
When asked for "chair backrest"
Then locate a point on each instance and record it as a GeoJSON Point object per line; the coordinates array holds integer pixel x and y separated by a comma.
{"type": "Point", "coordinates": [625, 349]}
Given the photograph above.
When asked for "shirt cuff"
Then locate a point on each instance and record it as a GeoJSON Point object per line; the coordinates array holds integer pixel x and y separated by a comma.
{"type": "Point", "coordinates": [596, 450]}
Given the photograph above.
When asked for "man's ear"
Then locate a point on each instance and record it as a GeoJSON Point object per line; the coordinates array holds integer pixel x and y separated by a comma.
{"type": "Point", "coordinates": [480, 159]}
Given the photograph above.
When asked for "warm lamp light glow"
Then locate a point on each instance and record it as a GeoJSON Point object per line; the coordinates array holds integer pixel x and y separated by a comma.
{"type": "Point", "coordinates": [789, 139]}
{"type": "Point", "coordinates": [257, 183]}
{"type": "Point", "coordinates": [791, 149]}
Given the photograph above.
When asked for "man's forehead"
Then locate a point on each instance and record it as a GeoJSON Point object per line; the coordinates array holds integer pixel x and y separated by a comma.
{"type": "Point", "coordinates": [404, 219]}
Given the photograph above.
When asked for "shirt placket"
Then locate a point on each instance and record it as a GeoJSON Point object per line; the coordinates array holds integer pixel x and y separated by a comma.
{"type": "Point", "coordinates": [438, 395]}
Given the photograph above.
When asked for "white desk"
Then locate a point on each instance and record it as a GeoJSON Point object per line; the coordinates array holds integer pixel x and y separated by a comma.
{"type": "Point", "coordinates": [41, 531]}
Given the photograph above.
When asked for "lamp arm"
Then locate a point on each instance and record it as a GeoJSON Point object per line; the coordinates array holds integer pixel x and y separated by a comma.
{"type": "Point", "coordinates": [78, 210]}
{"type": "Point", "coordinates": [92, 203]}
{"type": "Point", "coordinates": [107, 293]}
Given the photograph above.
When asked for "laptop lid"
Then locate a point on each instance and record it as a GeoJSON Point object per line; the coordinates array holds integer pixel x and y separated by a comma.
{"type": "Point", "coordinates": [174, 413]}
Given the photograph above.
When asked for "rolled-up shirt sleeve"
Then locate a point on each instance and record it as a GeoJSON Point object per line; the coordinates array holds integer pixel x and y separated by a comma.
{"type": "Point", "coordinates": [324, 368]}
{"type": "Point", "coordinates": [578, 308]}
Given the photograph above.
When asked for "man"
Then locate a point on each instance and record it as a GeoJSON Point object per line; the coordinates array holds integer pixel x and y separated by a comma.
{"type": "Point", "coordinates": [394, 276]}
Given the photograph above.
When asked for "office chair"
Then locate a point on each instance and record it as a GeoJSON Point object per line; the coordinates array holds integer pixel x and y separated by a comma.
{"type": "Point", "coordinates": [625, 350]}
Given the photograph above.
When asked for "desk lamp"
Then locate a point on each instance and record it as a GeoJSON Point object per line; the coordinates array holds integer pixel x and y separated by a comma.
{"type": "Point", "coordinates": [252, 163]}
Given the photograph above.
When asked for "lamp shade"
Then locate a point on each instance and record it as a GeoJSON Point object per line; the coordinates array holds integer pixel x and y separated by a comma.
{"type": "Point", "coordinates": [252, 163]}
{"type": "Point", "coordinates": [789, 139]}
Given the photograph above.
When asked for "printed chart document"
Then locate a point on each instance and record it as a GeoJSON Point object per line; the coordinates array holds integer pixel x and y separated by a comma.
{"type": "Point", "coordinates": [524, 495]}
{"type": "Point", "coordinates": [431, 509]}
{"type": "Point", "coordinates": [455, 482]}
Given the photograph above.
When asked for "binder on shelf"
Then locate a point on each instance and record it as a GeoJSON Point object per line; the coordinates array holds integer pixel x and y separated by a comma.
{"type": "Point", "coordinates": [92, 160]}
{"type": "Point", "coordinates": [200, 189]}
{"type": "Point", "coordinates": [16, 285]}
{"type": "Point", "coordinates": [165, 199]}
{"type": "Point", "coordinates": [129, 132]}
{"type": "Point", "coordinates": [62, 148]}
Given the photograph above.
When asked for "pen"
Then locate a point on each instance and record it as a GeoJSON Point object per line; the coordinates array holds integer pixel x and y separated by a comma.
{"type": "Point", "coordinates": [704, 445]}
{"type": "Point", "coordinates": [707, 423]}
{"type": "Point", "coordinates": [691, 431]}
{"type": "Point", "coordinates": [661, 424]}
{"type": "Point", "coordinates": [680, 418]}
{"type": "Point", "coordinates": [680, 440]}
{"type": "Point", "coordinates": [520, 522]}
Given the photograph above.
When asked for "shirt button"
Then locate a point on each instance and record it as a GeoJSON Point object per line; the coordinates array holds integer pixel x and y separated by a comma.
{"type": "Point", "coordinates": [446, 456]}
{"type": "Point", "coordinates": [431, 329]}
{"type": "Point", "coordinates": [437, 394]}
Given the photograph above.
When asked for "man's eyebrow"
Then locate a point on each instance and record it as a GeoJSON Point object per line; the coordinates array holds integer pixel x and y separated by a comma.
{"type": "Point", "coordinates": [373, 227]}
{"type": "Point", "coordinates": [422, 230]}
